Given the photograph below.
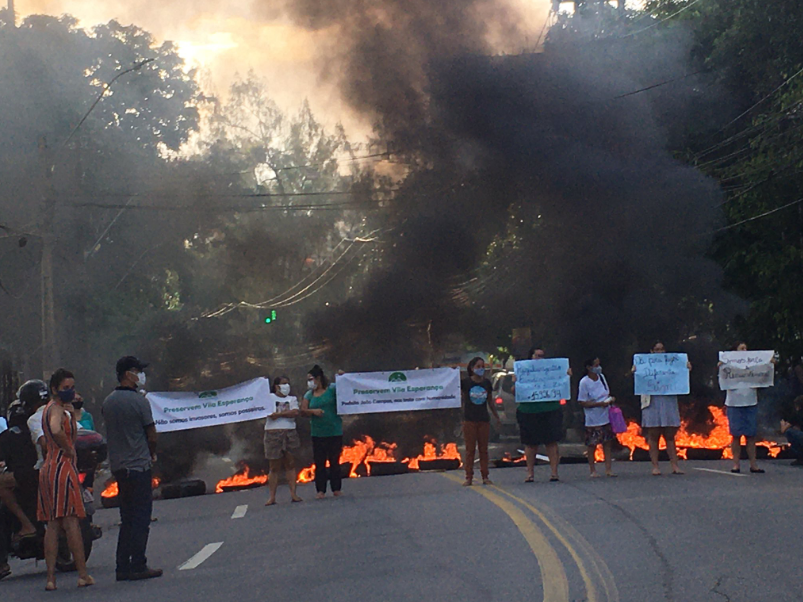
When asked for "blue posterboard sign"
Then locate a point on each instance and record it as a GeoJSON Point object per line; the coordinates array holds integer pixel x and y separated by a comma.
{"type": "Point", "coordinates": [661, 374]}
{"type": "Point", "coordinates": [542, 380]}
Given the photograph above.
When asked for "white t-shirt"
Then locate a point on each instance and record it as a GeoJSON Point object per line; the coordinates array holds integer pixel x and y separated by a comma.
{"type": "Point", "coordinates": [281, 404]}
{"type": "Point", "coordinates": [741, 398]}
{"type": "Point", "coordinates": [596, 391]}
{"type": "Point", "coordinates": [37, 431]}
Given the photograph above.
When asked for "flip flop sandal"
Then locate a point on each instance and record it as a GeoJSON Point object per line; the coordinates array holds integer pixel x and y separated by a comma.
{"type": "Point", "coordinates": [757, 471]}
{"type": "Point", "coordinates": [529, 480]}
{"type": "Point", "coordinates": [553, 479]}
{"type": "Point", "coordinates": [736, 470]}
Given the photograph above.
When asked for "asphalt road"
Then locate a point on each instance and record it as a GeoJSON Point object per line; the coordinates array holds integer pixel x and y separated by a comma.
{"type": "Point", "coordinates": [705, 536]}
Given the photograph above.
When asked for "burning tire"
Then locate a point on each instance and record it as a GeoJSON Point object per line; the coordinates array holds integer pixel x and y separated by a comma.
{"type": "Point", "coordinates": [383, 469]}
{"type": "Point", "coordinates": [188, 488]}
{"type": "Point", "coordinates": [439, 464]}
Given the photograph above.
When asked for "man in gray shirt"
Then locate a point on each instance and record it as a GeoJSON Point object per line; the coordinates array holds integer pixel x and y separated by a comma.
{"type": "Point", "coordinates": [131, 439]}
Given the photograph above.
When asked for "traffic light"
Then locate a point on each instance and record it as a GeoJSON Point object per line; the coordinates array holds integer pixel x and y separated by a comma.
{"type": "Point", "coordinates": [271, 317]}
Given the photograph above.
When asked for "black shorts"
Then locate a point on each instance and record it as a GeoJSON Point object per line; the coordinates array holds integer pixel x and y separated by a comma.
{"type": "Point", "coordinates": [540, 429]}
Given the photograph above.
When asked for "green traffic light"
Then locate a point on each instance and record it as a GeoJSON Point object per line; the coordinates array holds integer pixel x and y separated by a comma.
{"type": "Point", "coordinates": [271, 317]}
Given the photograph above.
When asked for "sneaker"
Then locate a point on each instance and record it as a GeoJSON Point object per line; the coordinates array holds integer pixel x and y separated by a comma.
{"type": "Point", "coordinates": [122, 576]}
{"type": "Point", "coordinates": [148, 573]}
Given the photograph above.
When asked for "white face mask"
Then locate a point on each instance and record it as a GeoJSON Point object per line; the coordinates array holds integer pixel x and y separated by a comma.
{"type": "Point", "coordinates": [141, 379]}
{"type": "Point", "coordinates": [284, 389]}
{"type": "Point", "coordinates": [311, 384]}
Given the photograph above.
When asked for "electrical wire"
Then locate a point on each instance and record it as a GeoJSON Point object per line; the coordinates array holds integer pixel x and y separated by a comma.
{"type": "Point", "coordinates": [765, 214]}
{"type": "Point", "coordinates": [664, 20]}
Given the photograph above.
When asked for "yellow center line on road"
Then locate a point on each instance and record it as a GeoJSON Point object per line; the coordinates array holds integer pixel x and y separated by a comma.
{"type": "Point", "coordinates": [553, 574]}
{"type": "Point", "coordinates": [611, 591]}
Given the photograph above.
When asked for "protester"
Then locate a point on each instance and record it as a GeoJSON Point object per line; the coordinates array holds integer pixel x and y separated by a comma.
{"type": "Point", "coordinates": [320, 403]}
{"type": "Point", "coordinates": [595, 397]}
{"type": "Point", "coordinates": [660, 416]}
{"type": "Point", "coordinates": [82, 417]}
{"type": "Point", "coordinates": [477, 394]}
{"type": "Point", "coordinates": [742, 409]}
{"type": "Point", "coordinates": [540, 424]}
{"type": "Point", "coordinates": [60, 501]}
{"type": "Point", "coordinates": [131, 439]}
{"type": "Point", "coordinates": [281, 438]}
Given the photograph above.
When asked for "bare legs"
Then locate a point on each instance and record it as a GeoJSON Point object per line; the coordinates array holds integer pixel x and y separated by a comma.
{"type": "Point", "coordinates": [7, 485]}
{"type": "Point", "coordinates": [72, 528]}
{"type": "Point", "coordinates": [592, 464]}
{"type": "Point", "coordinates": [736, 451]}
{"type": "Point", "coordinates": [529, 454]}
{"type": "Point", "coordinates": [287, 463]}
{"type": "Point", "coordinates": [654, 440]}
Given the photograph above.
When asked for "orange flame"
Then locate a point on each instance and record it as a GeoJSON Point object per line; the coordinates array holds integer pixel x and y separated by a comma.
{"type": "Point", "coordinates": [433, 451]}
{"type": "Point", "coordinates": [243, 478]}
{"type": "Point", "coordinates": [718, 438]}
{"type": "Point", "coordinates": [112, 490]}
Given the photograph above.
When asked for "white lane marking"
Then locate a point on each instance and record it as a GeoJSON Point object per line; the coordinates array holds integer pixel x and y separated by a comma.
{"type": "Point", "coordinates": [201, 556]}
{"type": "Point", "coordinates": [730, 474]}
{"type": "Point", "coordinates": [240, 511]}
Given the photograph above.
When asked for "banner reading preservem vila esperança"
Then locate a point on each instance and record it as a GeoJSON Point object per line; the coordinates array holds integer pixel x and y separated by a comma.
{"type": "Point", "coordinates": [399, 391]}
{"type": "Point", "coordinates": [182, 411]}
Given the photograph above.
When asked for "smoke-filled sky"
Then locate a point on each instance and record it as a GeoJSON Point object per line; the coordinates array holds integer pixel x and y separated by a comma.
{"type": "Point", "coordinates": [228, 37]}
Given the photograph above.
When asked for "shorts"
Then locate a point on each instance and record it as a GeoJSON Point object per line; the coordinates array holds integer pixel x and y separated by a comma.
{"type": "Point", "coordinates": [279, 441]}
{"type": "Point", "coordinates": [597, 435]}
{"type": "Point", "coordinates": [743, 421]}
{"type": "Point", "coordinates": [541, 428]}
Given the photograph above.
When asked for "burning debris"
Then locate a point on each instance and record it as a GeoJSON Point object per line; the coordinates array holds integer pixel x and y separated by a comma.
{"type": "Point", "coordinates": [364, 457]}
{"type": "Point", "coordinates": [108, 497]}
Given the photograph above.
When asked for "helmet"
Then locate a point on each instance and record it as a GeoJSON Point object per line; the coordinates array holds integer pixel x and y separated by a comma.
{"type": "Point", "coordinates": [17, 414]}
{"type": "Point", "coordinates": [33, 394]}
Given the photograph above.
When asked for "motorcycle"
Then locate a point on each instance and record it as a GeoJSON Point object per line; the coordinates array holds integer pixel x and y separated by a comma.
{"type": "Point", "coordinates": [91, 450]}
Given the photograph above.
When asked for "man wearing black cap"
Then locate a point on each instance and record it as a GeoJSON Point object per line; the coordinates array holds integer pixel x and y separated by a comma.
{"type": "Point", "coordinates": [131, 437]}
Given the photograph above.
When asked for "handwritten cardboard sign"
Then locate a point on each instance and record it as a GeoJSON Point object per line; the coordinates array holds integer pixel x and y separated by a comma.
{"type": "Point", "coordinates": [661, 374]}
{"type": "Point", "coordinates": [746, 370]}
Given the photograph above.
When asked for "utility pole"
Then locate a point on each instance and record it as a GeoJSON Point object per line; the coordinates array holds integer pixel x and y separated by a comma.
{"type": "Point", "coordinates": [50, 357]}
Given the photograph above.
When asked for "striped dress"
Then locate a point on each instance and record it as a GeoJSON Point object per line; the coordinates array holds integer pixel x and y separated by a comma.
{"type": "Point", "coordinates": [59, 486]}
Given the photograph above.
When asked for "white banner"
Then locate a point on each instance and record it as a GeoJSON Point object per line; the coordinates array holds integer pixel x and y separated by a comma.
{"type": "Point", "coordinates": [400, 391]}
{"type": "Point", "coordinates": [746, 369]}
{"type": "Point", "coordinates": [182, 411]}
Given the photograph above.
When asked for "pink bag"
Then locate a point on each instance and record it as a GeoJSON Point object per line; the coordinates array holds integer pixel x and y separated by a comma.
{"type": "Point", "coordinates": [618, 424]}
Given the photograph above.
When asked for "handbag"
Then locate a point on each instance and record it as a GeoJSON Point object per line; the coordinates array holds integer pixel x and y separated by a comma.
{"type": "Point", "coordinates": [618, 424]}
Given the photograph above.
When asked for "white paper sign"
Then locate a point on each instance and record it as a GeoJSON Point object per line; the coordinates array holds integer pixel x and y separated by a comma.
{"type": "Point", "coordinates": [746, 370]}
{"type": "Point", "coordinates": [400, 391]}
{"type": "Point", "coordinates": [182, 411]}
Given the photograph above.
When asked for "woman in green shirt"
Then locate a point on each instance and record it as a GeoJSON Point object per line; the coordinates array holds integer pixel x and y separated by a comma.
{"type": "Point", "coordinates": [320, 403]}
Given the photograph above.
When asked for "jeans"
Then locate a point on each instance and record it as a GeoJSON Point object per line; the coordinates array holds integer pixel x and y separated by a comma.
{"type": "Point", "coordinates": [795, 438]}
{"type": "Point", "coordinates": [136, 503]}
{"type": "Point", "coordinates": [323, 449]}
{"type": "Point", "coordinates": [476, 434]}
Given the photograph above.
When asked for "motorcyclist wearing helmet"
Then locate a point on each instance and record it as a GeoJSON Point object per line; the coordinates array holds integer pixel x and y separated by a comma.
{"type": "Point", "coordinates": [18, 453]}
{"type": "Point", "coordinates": [34, 396]}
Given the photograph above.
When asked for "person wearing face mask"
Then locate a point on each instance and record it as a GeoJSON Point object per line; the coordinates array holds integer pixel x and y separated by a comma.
{"type": "Point", "coordinates": [60, 502]}
{"type": "Point", "coordinates": [595, 397]}
{"type": "Point", "coordinates": [281, 438]}
{"type": "Point", "coordinates": [326, 427]}
{"type": "Point", "coordinates": [477, 394]}
{"type": "Point", "coordinates": [82, 417]}
{"type": "Point", "coordinates": [131, 439]}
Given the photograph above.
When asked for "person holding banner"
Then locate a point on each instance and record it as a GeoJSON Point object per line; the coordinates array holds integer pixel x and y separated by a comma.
{"type": "Point", "coordinates": [477, 393]}
{"type": "Point", "coordinates": [660, 416]}
{"type": "Point", "coordinates": [540, 424]}
{"type": "Point", "coordinates": [281, 438]}
{"type": "Point", "coordinates": [320, 403]}
{"type": "Point", "coordinates": [595, 397]}
{"type": "Point", "coordinates": [742, 409]}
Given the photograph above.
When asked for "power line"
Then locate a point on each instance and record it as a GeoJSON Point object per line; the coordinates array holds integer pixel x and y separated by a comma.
{"type": "Point", "coordinates": [664, 20]}
{"type": "Point", "coordinates": [765, 214]}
